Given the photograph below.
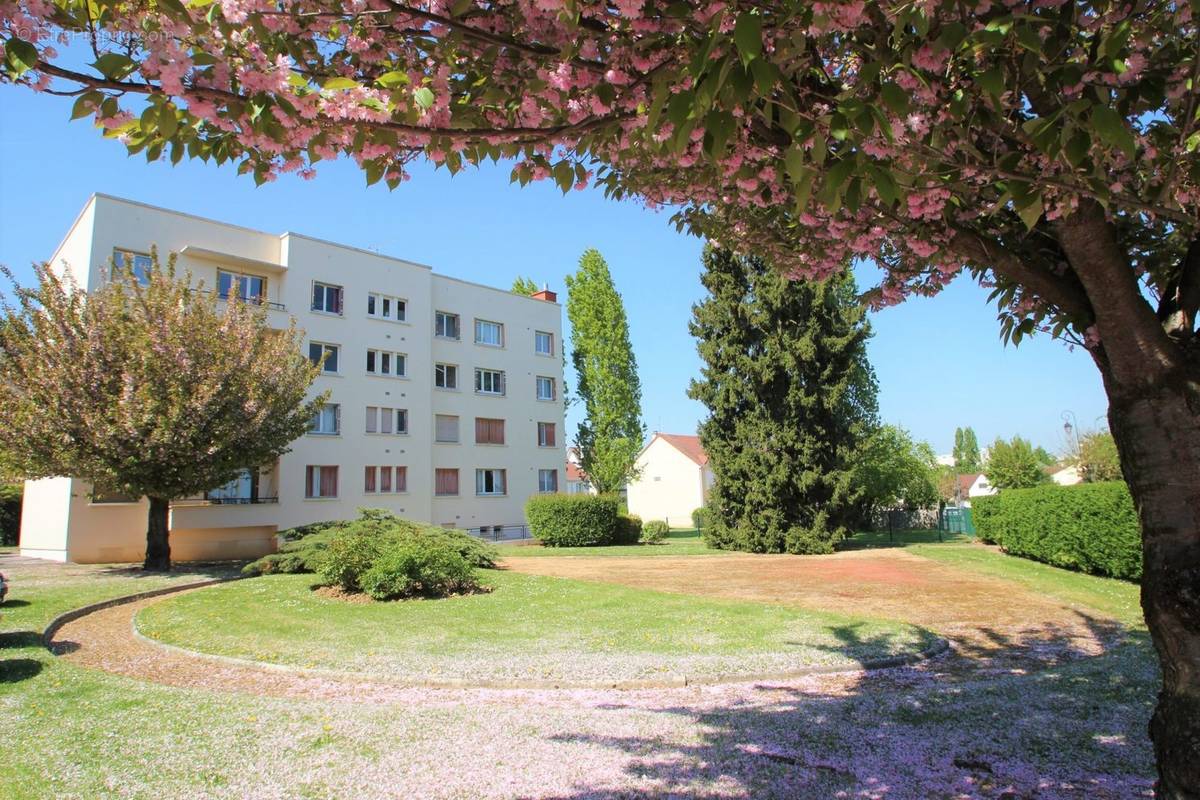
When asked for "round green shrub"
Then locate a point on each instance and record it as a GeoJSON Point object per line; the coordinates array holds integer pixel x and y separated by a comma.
{"type": "Point", "coordinates": [654, 531]}
{"type": "Point", "coordinates": [572, 520]}
{"type": "Point", "coordinates": [350, 554]}
{"type": "Point", "coordinates": [421, 565]}
{"type": "Point", "coordinates": [700, 518]}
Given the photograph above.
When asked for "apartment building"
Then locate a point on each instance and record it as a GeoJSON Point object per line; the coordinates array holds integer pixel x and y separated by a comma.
{"type": "Point", "coordinates": [445, 396]}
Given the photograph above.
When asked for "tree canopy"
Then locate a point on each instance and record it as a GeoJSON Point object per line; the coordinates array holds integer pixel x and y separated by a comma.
{"type": "Point", "coordinates": [923, 135]}
{"type": "Point", "coordinates": [791, 397]}
{"type": "Point", "coordinates": [1014, 464]}
{"type": "Point", "coordinates": [152, 391]}
{"type": "Point", "coordinates": [611, 434]}
{"type": "Point", "coordinates": [966, 451]}
{"type": "Point", "coordinates": [1097, 458]}
{"type": "Point", "coordinates": [892, 470]}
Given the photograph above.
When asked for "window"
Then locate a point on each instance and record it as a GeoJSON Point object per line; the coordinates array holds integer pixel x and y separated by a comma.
{"type": "Point", "coordinates": [445, 482]}
{"type": "Point", "coordinates": [327, 421]}
{"type": "Point", "coordinates": [543, 343]}
{"type": "Point", "coordinates": [387, 420]}
{"type": "Point", "coordinates": [489, 381]}
{"type": "Point", "coordinates": [547, 481]}
{"type": "Point", "coordinates": [319, 350]}
{"type": "Point", "coordinates": [445, 428]}
{"type": "Point", "coordinates": [139, 264]}
{"type": "Point", "coordinates": [327, 298]}
{"type": "Point", "coordinates": [249, 287]}
{"type": "Point", "coordinates": [380, 480]}
{"type": "Point", "coordinates": [489, 431]}
{"type": "Point", "coordinates": [383, 362]}
{"type": "Point", "coordinates": [545, 388]}
{"type": "Point", "coordinates": [489, 481]}
{"type": "Point", "coordinates": [546, 434]}
{"type": "Point", "coordinates": [445, 376]}
{"type": "Point", "coordinates": [445, 325]}
{"type": "Point", "coordinates": [489, 333]}
{"type": "Point", "coordinates": [320, 481]}
{"type": "Point", "coordinates": [384, 306]}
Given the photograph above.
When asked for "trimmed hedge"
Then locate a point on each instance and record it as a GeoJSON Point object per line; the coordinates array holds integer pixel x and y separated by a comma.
{"type": "Point", "coordinates": [10, 513]}
{"type": "Point", "coordinates": [1091, 527]}
{"type": "Point", "coordinates": [572, 520]}
{"type": "Point", "coordinates": [629, 529]}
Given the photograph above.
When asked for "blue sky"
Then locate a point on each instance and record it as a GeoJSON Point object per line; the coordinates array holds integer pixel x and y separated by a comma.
{"type": "Point", "coordinates": [939, 360]}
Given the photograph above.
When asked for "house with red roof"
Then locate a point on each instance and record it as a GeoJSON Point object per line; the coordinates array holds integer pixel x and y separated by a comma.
{"type": "Point", "coordinates": [673, 479]}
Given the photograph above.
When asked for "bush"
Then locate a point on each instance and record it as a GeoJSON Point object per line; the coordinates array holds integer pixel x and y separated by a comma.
{"type": "Point", "coordinates": [629, 529]}
{"type": "Point", "coordinates": [700, 518]}
{"type": "Point", "coordinates": [422, 565]}
{"type": "Point", "coordinates": [10, 513]}
{"type": "Point", "coordinates": [572, 520]}
{"type": "Point", "coordinates": [1090, 527]}
{"type": "Point", "coordinates": [305, 547]}
{"type": "Point", "coordinates": [654, 531]}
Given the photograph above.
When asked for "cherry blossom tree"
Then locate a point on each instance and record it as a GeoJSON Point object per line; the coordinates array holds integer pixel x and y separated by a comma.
{"type": "Point", "coordinates": [1047, 148]}
{"type": "Point", "coordinates": [150, 391]}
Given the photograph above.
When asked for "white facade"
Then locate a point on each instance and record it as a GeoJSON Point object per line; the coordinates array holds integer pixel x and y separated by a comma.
{"type": "Point", "coordinates": [329, 290]}
{"type": "Point", "coordinates": [673, 480]}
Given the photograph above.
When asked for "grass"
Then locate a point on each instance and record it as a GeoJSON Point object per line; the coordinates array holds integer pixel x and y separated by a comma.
{"type": "Point", "coordinates": [1114, 598]}
{"type": "Point", "coordinates": [686, 542]}
{"type": "Point", "coordinates": [527, 627]}
{"type": "Point", "coordinates": [77, 733]}
{"type": "Point", "coordinates": [871, 539]}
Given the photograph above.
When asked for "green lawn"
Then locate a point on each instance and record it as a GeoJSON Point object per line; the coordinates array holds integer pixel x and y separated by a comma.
{"type": "Point", "coordinates": [77, 733]}
{"type": "Point", "coordinates": [678, 543]}
{"type": "Point", "coordinates": [528, 627]}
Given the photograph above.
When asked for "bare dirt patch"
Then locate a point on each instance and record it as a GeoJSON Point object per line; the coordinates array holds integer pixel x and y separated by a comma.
{"type": "Point", "coordinates": [985, 617]}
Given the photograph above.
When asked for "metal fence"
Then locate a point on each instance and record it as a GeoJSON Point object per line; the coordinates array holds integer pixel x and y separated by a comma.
{"type": "Point", "coordinates": [501, 533]}
{"type": "Point", "coordinates": [904, 519]}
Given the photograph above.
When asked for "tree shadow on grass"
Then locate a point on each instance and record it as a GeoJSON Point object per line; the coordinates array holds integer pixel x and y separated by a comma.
{"type": "Point", "coordinates": [15, 670]}
{"type": "Point", "coordinates": [979, 722]}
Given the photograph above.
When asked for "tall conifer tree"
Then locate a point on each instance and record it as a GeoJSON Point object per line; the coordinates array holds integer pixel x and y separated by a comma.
{"type": "Point", "coordinates": [611, 433]}
{"type": "Point", "coordinates": [791, 396]}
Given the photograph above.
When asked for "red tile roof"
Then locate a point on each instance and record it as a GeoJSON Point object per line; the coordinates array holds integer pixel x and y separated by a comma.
{"type": "Point", "coordinates": [688, 445]}
{"type": "Point", "coordinates": [965, 482]}
{"type": "Point", "coordinates": [574, 473]}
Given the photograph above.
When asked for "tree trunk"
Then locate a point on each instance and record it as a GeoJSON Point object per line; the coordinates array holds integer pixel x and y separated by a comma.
{"type": "Point", "coordinates": [1153, 386]}
{"type": "Point", "coordinates": [1158, 436]}
{"type": "Point", "coordinates": [158, 548]}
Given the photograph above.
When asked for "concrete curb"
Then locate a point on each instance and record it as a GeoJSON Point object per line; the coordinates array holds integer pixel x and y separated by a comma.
{"type": "Point", "coordinates": [70, 616]}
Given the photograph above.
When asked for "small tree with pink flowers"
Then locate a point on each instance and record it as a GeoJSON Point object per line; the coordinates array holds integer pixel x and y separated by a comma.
{"type": "Point", "coordinates": [1047, 148]}
{"type": "Point", "coordinates": [147, 390]}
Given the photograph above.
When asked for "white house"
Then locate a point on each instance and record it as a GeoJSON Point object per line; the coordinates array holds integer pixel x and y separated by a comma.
{"type": "Point", "coordinates": [1064, 474]}
{"type": "Point", "coordinates": [445, 400]}
{"type": "Point", "coordinates": [673, 481]}
{"type": "Point", "coordinates": [974, 484]}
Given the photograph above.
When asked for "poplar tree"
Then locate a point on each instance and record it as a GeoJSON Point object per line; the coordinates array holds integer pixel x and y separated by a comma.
{"type": "Point", "coordinates": [791, 398]}
{"type": "Point", "coordinates": [610, 436]}
{"type": "Point", "coordinates": [966, 451]}
{"type": "Point", "coordinates": [149, 390]}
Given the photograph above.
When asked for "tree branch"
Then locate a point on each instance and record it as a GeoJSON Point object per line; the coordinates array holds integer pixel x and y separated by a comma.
{"type": "Point", "coordinates": [1066, 295]}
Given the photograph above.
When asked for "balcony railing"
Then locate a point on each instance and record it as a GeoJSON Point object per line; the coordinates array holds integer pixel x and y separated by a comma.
{"type": "Point", "coordinates": [258, 301]}
{"type": "Point", "coordinates": [225, 501]}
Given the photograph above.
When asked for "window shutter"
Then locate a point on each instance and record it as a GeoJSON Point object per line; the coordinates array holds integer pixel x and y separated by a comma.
{"type": "Point", "coordinates": [550, 435]}
{"type": "Point", "coordinates": [308, 481]}
{"type": "Point", "coordinates": [371, 411]}
{"type": "Point", "coordinates": [481, 430]}
{"type": "Point", "coordinates": [339, 299]}
{"type": "Point", "coordinates": [497, 431]}
{"type": "Point", "coordinates": [401, 479]}
{"type": "Point", "coordinates": [329, 481]}
{"type": "Point", "coordinates": [480, 481]}
{"type": "Point", "coordinates": [385, 479]}
{"type": "Point", "coordinates": [385, 421]}
{"type": "Point", "coordinates": [452, 482]}
{"type": "Point", "coordinates": [337, 419]}
{"type": "Point", "coordinates": [369, 483]}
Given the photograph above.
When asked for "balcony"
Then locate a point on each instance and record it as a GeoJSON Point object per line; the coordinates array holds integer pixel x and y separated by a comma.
{"type": "Point", "coordinates": [258, 301]}
{"type": "Point", "coordinates": [250, 488]}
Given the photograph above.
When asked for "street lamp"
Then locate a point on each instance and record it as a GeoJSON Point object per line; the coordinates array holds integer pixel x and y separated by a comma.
{"type": "Point", "coordinates": [1071, 429]}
